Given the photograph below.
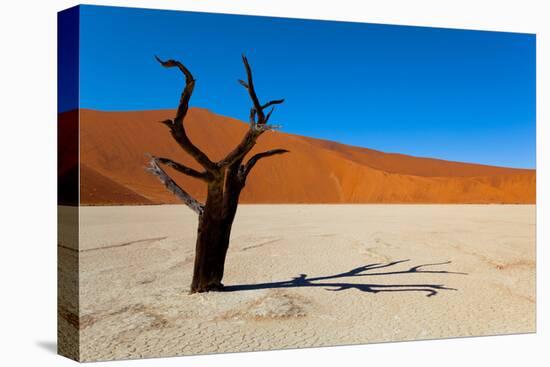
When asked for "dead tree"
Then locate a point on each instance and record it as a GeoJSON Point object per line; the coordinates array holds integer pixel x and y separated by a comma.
{"type": "Point", "coordinates": [225, 179]}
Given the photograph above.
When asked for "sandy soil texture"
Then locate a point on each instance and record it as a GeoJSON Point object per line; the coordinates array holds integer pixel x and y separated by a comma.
{"type": "Point", "coordinates": [302, 276]}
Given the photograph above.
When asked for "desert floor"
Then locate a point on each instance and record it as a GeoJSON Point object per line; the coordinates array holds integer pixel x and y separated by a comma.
{"type": "Point", "coordinates": [304, 275]}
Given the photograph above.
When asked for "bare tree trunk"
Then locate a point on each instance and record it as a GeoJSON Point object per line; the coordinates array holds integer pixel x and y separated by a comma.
{"type": "Point", "coordinates": [209, 239]}
{"type": "Point", "coordinates": [215, 231]}
{"type": "Point", "coordinates": [208, 262]}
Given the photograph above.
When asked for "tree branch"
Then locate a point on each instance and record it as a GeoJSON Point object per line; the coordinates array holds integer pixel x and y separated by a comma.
{"type": "Point", "coordinates": [274, 102]}
{"type": "Point", "coordinates": [245, 169]}
{"type": "Point", "coordinates": [258, 120]}
{"type": "Point", "coordinates": [181, 168]}
{"type": "Point", "coordinates": [176, 126]}
{"type": "Point", "coordinates": [248, 142]}
{"type": "Point", "coordinates": [252, 91]}
{"type": "Point", "coordinates": [173, 187]}
{"type": "Point", "coordinates": [269, 114]}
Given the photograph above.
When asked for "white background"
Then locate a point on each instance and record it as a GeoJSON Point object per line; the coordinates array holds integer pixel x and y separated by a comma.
{"type": "Point", "coordinates": [28, 184]}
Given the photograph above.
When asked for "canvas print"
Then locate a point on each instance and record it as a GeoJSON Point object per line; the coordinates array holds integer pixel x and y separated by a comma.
{"type": "Point", "coordinates": [235, 183]}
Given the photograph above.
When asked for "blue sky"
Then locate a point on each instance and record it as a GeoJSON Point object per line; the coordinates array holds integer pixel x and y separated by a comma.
{"type": "Point", "coordinates": [452, 94]}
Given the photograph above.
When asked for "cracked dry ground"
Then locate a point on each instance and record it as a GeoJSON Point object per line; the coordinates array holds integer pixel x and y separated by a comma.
{"type": "Point", "coordinates": [303, 276]}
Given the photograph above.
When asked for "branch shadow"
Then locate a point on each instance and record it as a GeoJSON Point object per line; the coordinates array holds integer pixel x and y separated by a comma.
{"type": "Point", "coordinates": [303, 281]}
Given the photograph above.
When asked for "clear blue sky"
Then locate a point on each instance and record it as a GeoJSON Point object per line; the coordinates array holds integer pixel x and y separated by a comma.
{"type": "Point", "coordinates": [452, 94]}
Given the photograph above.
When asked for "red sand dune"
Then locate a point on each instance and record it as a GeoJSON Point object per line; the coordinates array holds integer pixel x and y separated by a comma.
{"type": "Point", "coordinates": [113, 147]}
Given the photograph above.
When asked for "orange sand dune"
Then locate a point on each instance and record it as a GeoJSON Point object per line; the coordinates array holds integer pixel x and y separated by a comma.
{"type": "Point", "coordinates": [101, 189]}
{"type": "Point", "coordinates": [113, 147]}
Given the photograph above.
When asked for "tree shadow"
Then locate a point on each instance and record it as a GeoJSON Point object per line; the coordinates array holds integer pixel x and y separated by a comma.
{"type": "Point", "coordinates": [303, 281]}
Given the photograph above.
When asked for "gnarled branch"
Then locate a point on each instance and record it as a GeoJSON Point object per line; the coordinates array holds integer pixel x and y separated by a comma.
{"type": "Point", "coordinates": [268, 115]}
{"type": "Point", "coordinates": [182, 168]}
{"type": "Point", "coordinates": [248, 142]}
{"type": "Point", "coordinates": [258, 120]}
{"type": "Point", "coordinates": [176, 126]}
{"type": "Point", "coordinates": [246, 168]}
{"type": "Point", "coordinates": [274, 102]}
{"type": "Point", "coordinates": [251, 91]}
{"type": "Point", "coordinates": [173, 187]}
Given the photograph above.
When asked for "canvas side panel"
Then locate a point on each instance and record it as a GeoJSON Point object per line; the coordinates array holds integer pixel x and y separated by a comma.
{"type": "Point", "coordinates": [67, 183]}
